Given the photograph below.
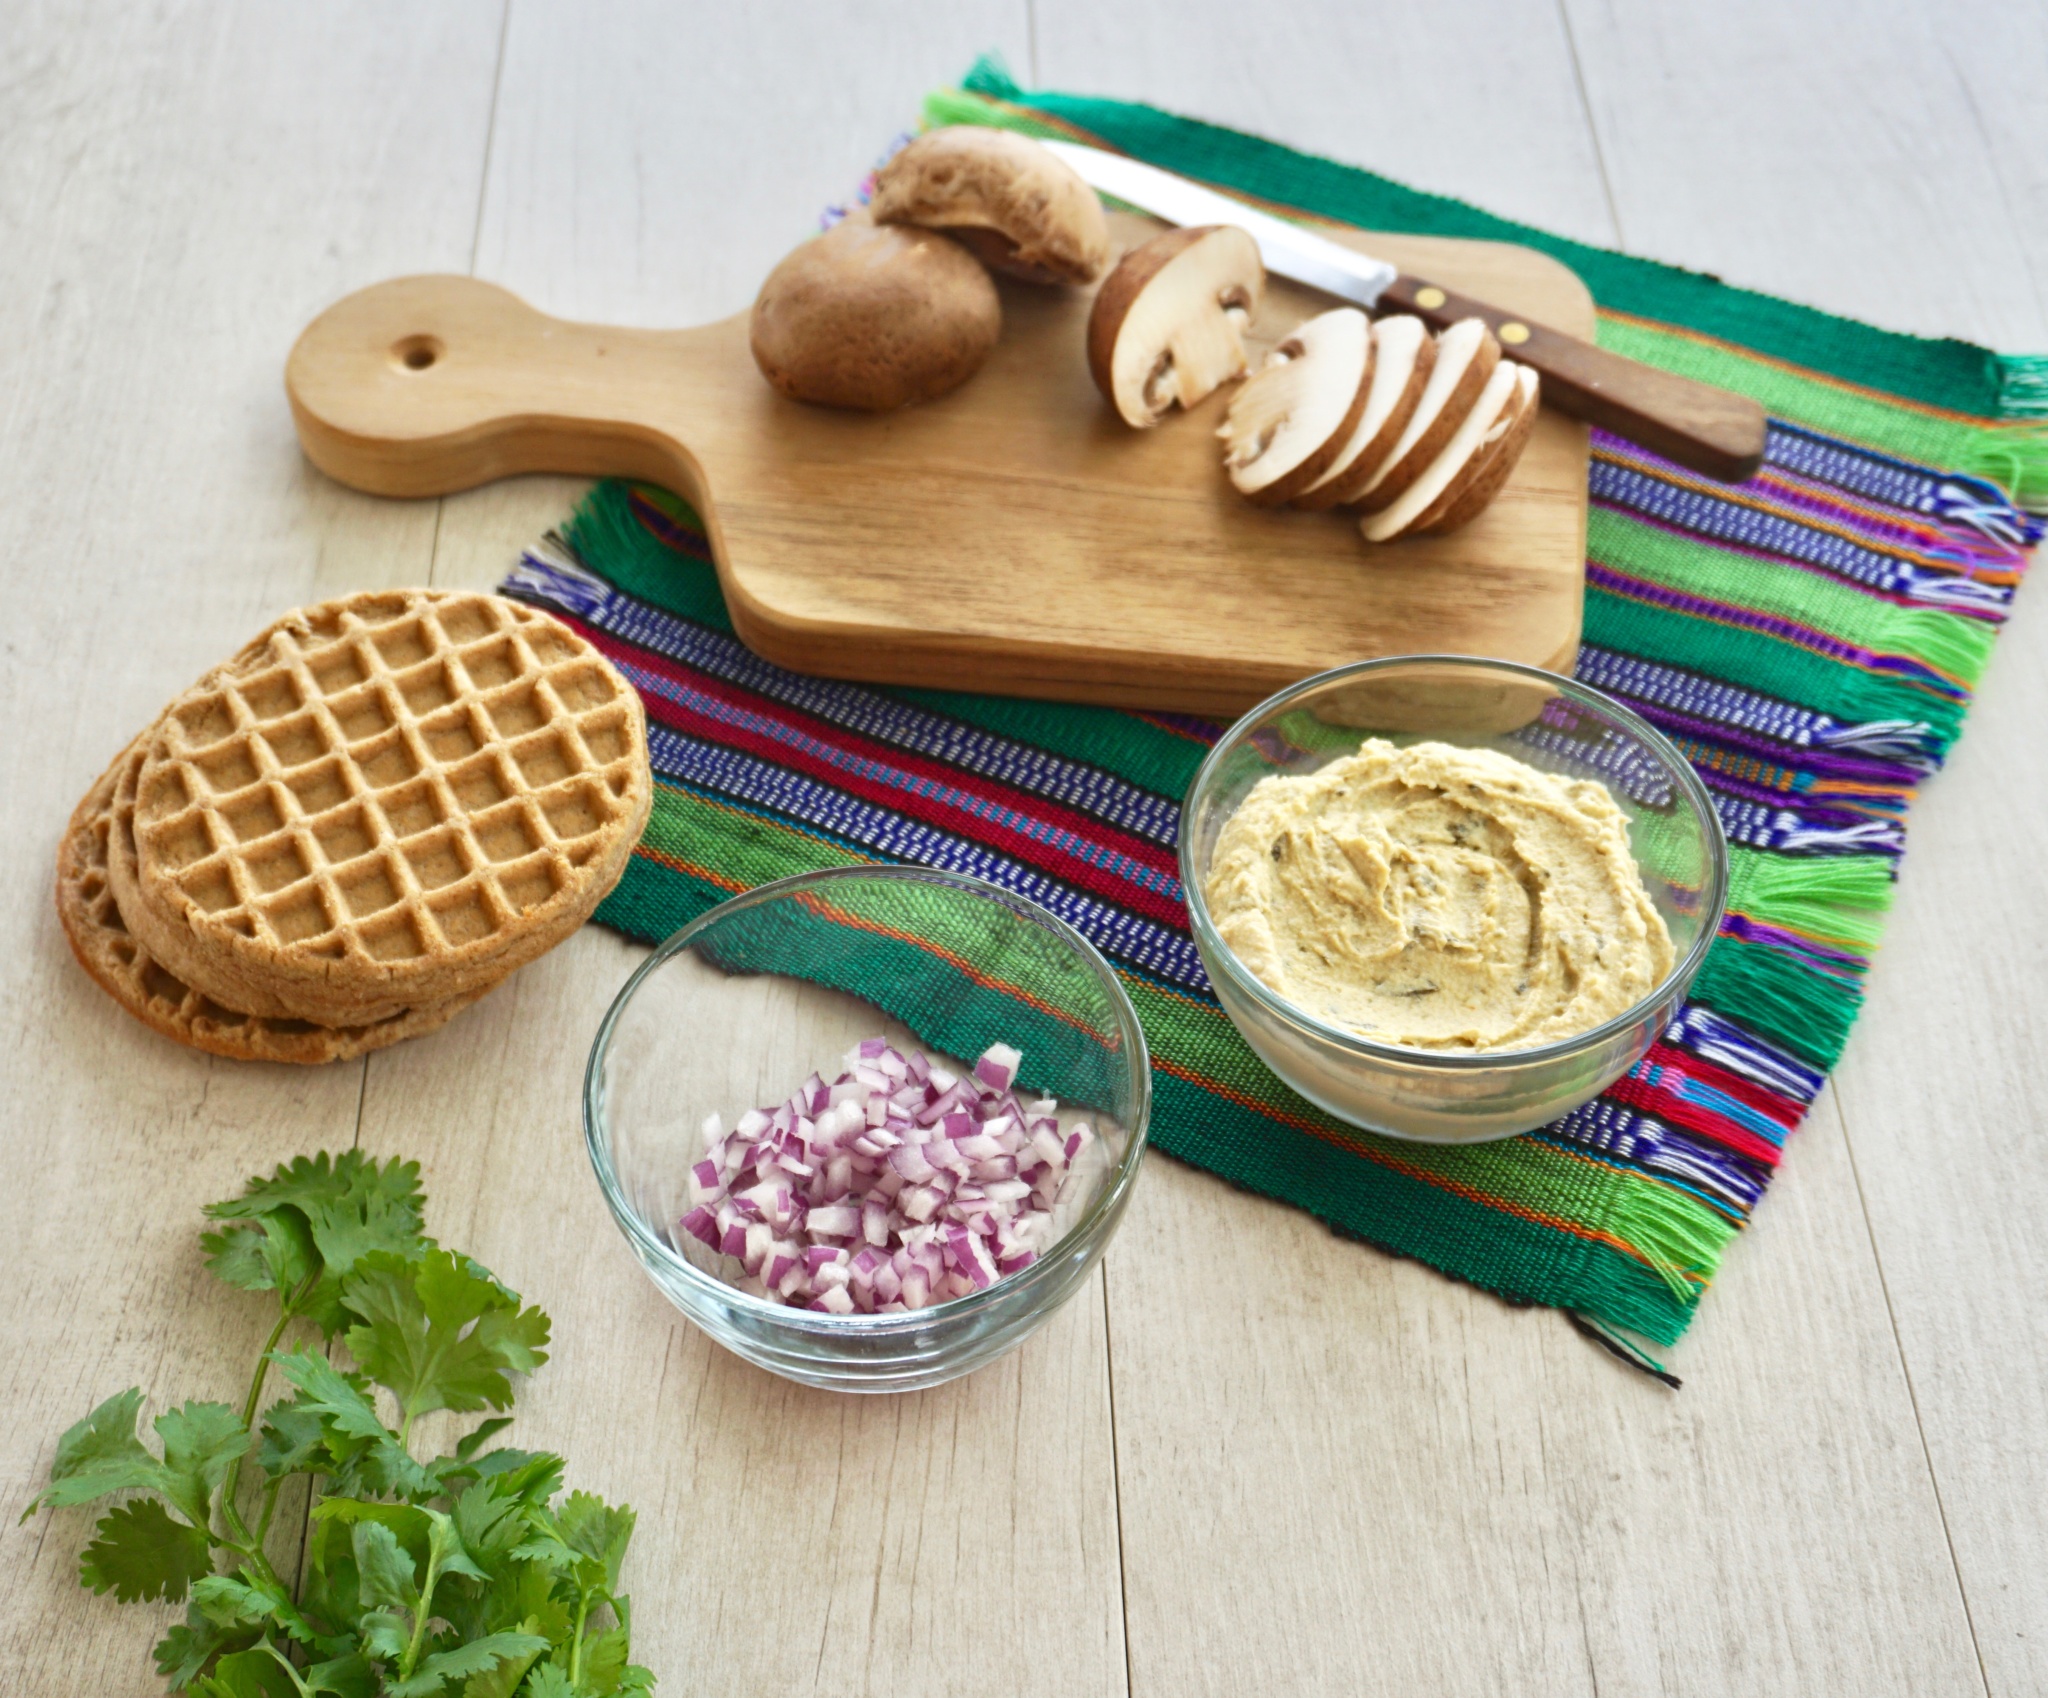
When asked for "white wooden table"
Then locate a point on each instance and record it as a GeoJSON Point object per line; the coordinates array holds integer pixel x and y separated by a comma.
{"type": "Point", "coordinates": [1256, 1458]}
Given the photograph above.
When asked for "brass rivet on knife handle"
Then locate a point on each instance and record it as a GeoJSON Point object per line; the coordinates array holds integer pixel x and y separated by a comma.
{"type": "Point", "coordinates": [1710, 430]}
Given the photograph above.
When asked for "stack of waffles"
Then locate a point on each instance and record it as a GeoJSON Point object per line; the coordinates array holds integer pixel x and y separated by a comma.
{"type": "Point", "coordinates": [358, 826]}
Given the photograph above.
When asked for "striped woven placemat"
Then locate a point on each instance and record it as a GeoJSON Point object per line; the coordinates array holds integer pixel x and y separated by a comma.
{"type": "Point", "coordinates": [1810, 639]}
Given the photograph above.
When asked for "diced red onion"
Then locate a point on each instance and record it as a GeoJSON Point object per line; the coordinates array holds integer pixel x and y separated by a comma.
{"type": "Point", "coordinates": [897, 1185]}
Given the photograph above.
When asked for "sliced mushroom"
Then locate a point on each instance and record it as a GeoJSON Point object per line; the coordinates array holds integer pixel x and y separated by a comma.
{"type": "Point", "coordinates": [874, 316]}
{"type": "Point", "coordinates": [1490, 468]}
{"type": "Point", "coordinates": [1288, 423]}
{"type": "Point", "coordinates": [1168, 325]}
{"type": "Point", "coordinates": [1449, 478]}
{"type": "Point", "coordinates": [1466, 354]}
{"type": "Point", "coordinates": [1402, 354]}
{"type": "Point", "coordinates": [1019, 208]}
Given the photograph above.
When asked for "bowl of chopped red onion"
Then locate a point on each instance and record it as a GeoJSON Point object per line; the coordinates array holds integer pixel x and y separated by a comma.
{"type": "Point", "coordinates": [869, 1127]}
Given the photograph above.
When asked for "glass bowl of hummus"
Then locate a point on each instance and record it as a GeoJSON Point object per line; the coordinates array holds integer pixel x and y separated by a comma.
{"type": "Point", "coordinates": [1449, 899]}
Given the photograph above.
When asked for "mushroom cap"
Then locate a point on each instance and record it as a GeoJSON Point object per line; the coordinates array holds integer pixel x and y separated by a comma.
{"type": "Point", "coordinates": [1019, 208]}
{"type": "Point", "coordinates": [1167, 327]}
{"type": "Point", "coordinates": [875, 317]}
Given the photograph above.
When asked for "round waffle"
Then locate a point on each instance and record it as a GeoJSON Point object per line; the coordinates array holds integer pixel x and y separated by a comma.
{"type": "Point", "coordinates": [110, 953]}
{"type": "Point", "coordinates": [383, 802]}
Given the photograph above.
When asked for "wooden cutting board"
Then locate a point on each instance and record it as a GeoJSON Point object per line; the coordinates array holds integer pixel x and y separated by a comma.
{"type": "Point", "coordinates": [1012, 536]}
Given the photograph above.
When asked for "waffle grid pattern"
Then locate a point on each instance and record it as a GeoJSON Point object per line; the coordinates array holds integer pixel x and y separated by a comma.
{"type": "Point", "coordinates": [389, 789]}
{"type": "Point", "coordinates": [121, 966]}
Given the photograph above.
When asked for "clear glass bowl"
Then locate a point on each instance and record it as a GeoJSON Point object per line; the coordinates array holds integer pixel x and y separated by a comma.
{"type": "Point", "coordinates": [740, 1006]}
{"type": "Point", "coordinates": [1549, 722]}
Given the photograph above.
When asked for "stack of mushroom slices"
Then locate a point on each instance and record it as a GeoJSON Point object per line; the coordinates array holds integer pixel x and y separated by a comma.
{"type": "Point", "coordinates": [1417, 432]}
{"type": "Point", "coordinates": [358, 826]}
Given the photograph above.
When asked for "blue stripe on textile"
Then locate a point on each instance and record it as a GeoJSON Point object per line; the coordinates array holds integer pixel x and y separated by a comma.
{"type": "Point", "coordinates": [1736, 525]}
{"type": "Point", "coordinates": [1702, 1095]}
{"type": "Point", "coordinates": [1610, 1129]}
{"type": "Point", "coordinates": [713, 766]}
{"type": "Point", "coordinates": [854, 707]}
{"type": "Point", "coordinates": [1899, 483]}
{"type": "Point", "coordinates": [978, 808]}
{"type": "Point", "coordinates": [1716, 1038]}
{"type": "Point", "coordinates": [1755, 825]}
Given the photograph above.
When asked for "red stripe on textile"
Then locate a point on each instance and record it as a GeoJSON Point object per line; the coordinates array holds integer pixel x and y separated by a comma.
{"type": "Point", "coordinates": [1666, 1105]}
{"type": "Point", "coordinates": [1788, 1112]}
{"type": "Point", "coordinates": [1049, 858]}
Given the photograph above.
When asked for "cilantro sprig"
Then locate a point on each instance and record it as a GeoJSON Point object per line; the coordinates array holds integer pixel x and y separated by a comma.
{"type": "Point", "coordinates": [456, 1574]}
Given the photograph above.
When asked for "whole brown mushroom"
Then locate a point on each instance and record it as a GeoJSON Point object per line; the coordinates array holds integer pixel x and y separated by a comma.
{"type": "Point", "coordinates": [1022, 210]}
{"type": "Point", "coordinates": [874, 317]}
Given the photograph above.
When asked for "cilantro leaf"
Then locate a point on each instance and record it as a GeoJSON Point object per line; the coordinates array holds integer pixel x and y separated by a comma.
{"type": "Point", "coordinates": [98, 1455]}
{"type": "Point", "coordinates": [388, 1579]}
{"type": "Point", "coordinates": [478, 1657]}
{"type": "Point", "coordinates": [550, 1680]}
{"type": "Point", "coordinates": [604, 1662]}
{"type": "Point", "coordinates": [272, 1253]}
{"type": "Point", "coordinates": [200, 1441]}
{"type": "Point", "coordinates": [140, 1552]}
{"type": "Point", "coordinates": [362, 1453]}
{"type": "Point", "coordinates": [440, 1332]}
{"type": "Point", "coordinates": [467, 1447]}
{"type": "Point", "coordinates": [246, 1600]}
{"type": "Point", "coordinates": [258, 1672]}
{"type": "Point", "coordinates": [185, 1651]}
{"type": "Point", "coordinates": [346, 1677]}
{"type": "Point", "coordinates": [503, 1681]}
{"type": "Point", "coordinates": [345, 1207]}
{"type": "Point", "coordinates": [292, 1438]}
{"type": "Point", "coordinates": [591, 1527]}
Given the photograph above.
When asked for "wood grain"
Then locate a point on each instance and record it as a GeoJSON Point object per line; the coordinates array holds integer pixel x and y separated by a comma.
{"type": "Point", "coordinates": [181, 187]}
{"type": "Point", "coordinates": [1344, 1473]}
{"type": "Point", "coordinates": [1890, 171]}
{"type": "Point", "coordinates": [1010, 536]}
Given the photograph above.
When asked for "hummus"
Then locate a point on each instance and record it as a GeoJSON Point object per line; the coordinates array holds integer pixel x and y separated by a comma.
{"type": "Point", "coordinates": [1439, 898]}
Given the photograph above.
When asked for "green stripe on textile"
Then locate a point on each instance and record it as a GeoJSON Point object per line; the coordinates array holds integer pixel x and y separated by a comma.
{"type": "Point", "coordinates": [605, 529]}
{"type": "Point", "coordinates": [2013, 457]}
{"type": "Point", "coordinates": [1939, 373]}
{"type": "Point", "coordinates": [1951, 643]}
{"type": "Point", "coordinates": [1136, 750]}
{"type": "Point", "coordinates": [1793, 1006]}
{"type": "Point", "coordinates": [1771, 664]}
{"type": "Point", "coordinates": [1837, 899]}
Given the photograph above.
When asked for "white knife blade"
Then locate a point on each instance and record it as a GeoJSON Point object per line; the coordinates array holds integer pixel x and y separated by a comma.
{"type": "Point", "coordinates": [1285, 248]}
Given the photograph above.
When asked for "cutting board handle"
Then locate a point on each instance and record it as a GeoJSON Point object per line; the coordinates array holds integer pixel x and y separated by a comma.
{"type": "Point", "coordinates": [425, 385]}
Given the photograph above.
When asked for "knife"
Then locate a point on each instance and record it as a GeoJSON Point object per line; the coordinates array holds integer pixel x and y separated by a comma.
{"type": "Point", "coordinates": [1710, 430]}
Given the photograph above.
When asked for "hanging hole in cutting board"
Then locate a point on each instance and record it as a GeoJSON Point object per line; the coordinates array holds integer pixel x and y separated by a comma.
{"type": "Point", "coordinates": [417, 353]}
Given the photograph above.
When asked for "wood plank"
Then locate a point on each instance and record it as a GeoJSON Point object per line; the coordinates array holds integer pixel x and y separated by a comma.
{"type": "Point", "coordinates": [1436, 1492]}
{"type": "Point", "coordinates": [789, 1540]}
{"type": "Point", "coordinates": [180, 188]}
{"type": "Point", "coordinates": [1474, 98]}
{"type": "Point", "coordinates": [1886, 166]}
{"type": "Point", "coordinates": [1353, 1477]}
{"type": "Point", "coordinates": [1012, 536]}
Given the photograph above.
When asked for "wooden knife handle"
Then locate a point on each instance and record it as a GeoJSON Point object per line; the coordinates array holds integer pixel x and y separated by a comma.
{"type": "Point", "coordinates": [1711, 430]}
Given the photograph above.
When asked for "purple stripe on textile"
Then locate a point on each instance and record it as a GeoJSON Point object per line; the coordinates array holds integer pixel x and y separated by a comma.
{"type": "Point", "coordinates": [1716, 1038]}
{"type": "Point", "coordinates": [1129, 937]}
{"type": "Point", "coordinates": [1821, 957]}
{"type": "Point", "coordinates": [1737, 526]}
{"type": "Point", "coordinates": [870, 713]}
{"type": "Point", "coordinates": [968, 806]}
{"type": "Point", "coordinates": [1768, 624]}
{"type": "Point", "coordinates": [1669, 1152]}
